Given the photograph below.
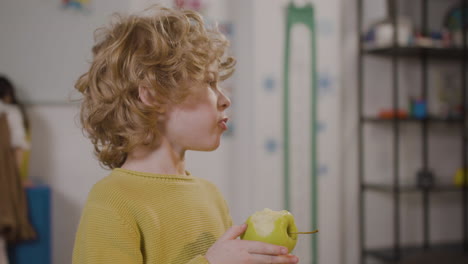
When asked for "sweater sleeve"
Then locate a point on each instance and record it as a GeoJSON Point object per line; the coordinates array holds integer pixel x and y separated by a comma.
{"type": "Point", "coordinates": [227, 219]}
{"type": "Point", "coordinates": [104, 237]}
{"type": "Point", "coordinates": [228, 215]}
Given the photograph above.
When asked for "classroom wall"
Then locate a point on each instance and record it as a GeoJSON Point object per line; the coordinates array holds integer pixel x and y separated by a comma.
{"type": "Point", "coordinates": [43, 50]}
{"type": "Point", "coordinates": [268, 146]}
{"type": "Point", "coordinates": [61, 157]}
{"type": "Point", "coordinates": [45, 45]}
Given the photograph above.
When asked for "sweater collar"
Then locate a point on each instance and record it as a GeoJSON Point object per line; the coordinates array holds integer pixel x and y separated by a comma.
{"type": "Point", "coordinates": [188, 175]}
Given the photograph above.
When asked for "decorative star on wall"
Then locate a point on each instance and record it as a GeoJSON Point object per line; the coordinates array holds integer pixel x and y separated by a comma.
{"type": "Point", "coordinates": [269, 83]}
{"type": "Point", "coordinates": [322, 170]}
{"type": "Point", "coordinates": [320, 126]}
{"type": "Point", "coordinates": [77, 4]}
{"type": "Point", "coordinates": [271, 145]}
{"type": "Point", "coordinates": [196, 5]}
{"type": "Point", "coordinates": [326, 83]}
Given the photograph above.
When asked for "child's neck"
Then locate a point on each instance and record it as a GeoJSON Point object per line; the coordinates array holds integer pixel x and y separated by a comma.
{"type": "Point", "coordinates": [163, 160]}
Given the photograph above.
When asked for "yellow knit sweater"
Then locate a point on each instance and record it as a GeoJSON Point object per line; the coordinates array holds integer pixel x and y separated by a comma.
{"type": "Point", "coordinates": [134, 217]}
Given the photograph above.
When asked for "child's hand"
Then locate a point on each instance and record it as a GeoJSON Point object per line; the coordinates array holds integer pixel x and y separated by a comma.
{"type": "Point", "coordinates": [228, 250]}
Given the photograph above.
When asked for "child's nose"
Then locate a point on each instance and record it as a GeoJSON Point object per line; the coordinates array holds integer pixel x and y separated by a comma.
{"type": "Point", "coordinates": [224, 101]}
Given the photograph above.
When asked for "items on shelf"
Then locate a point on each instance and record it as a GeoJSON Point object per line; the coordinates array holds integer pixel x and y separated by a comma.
{"type": "Point", "coordinates": [391, 114]}
{"type": "Point", "coordinates": [380, 34]}
{"type": "Point", "coordinates": [449, 97]}
{"type": "Point", "coordinates": [453, 22]}
{"type": "Point", "coordinates": [447, 105]}
{"type": "Point", "coordinates": [459, 178]}
{"type": "Point", "coordinates": [418, 108]}
{"type": "Point", "coordinates": [382, 37]}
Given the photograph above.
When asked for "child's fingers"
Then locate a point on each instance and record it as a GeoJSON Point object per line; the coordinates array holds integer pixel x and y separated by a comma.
{"type": "Point", "coordinates": [285, 259]}
{"type": "Point", "coordinates": [233, 232]}
{"type": "Point", "coordinates": [255, 247]}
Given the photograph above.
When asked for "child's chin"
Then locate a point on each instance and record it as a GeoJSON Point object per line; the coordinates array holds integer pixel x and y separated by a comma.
{"type": "Point", "coordinates": [211, 147]}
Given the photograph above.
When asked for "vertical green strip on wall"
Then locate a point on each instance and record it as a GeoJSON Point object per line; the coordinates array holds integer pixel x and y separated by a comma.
{"type": "Point", "coordinates": [286, 112]}
{"type": "Point", "coordinates": [302, 15]}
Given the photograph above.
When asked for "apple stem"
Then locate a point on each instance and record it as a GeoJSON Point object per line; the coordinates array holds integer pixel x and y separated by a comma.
{"type": "Point", "coordinates": [305, 233]}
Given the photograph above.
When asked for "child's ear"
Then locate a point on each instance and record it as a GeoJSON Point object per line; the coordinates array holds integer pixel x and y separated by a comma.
{"type": "Point", "coordinates": [146, 95]}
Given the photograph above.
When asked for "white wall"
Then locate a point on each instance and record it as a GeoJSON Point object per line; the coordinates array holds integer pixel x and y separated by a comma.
{"type": "Point", "coordinates": [263, 184]}
{"type": "Point", "coordinates": [242, 163]}
{"type": "Point", "coordinates": [349, 121]}
{"type": "Point", "coordinates": [44, 49]}
{"type": "Point", "coordinates": [44, 46]}
{"type": "Point", "coordinates": [62, 158]}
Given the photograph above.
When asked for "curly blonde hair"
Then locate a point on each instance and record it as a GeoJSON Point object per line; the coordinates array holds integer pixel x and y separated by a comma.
{"type": "Point", "coordinates": [161, 51]}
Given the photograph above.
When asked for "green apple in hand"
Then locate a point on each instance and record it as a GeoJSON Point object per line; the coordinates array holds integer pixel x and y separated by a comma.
{"type": "Point", "coordinates": [273, 227]}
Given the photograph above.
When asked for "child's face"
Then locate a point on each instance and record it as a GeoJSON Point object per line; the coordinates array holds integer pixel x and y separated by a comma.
{"type": "Point", "coordinates": [198, 122]}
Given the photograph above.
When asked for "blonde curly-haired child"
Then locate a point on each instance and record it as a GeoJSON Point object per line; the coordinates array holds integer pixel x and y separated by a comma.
{"type": "Point", "coordinates": [151, 94]}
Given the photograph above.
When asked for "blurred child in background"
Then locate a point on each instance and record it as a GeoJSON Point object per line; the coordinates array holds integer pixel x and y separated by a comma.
{"type": "Point", "coordinates": [14, 222]}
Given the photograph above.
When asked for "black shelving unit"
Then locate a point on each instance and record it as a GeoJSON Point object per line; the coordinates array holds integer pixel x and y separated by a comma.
{"type": "Point", "coordinates": [388, 255]}
{"type": "Point", "coordinates": [438, 53]}
{"type": "Point", "coordinates": [430, 119]}
{"type": "Point", "coordinates": [398, 253]}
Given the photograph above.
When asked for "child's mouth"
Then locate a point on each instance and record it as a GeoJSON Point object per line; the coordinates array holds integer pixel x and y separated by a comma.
{"type": "Point", "coordinates": [223, 123]}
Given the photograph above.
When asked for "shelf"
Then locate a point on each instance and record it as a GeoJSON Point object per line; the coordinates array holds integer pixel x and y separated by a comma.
{"type": "Point", "coordinates": [410, 188]}
{"type": "Point", "coordinates": [389, 255]}
{"type": "Point", "coordinates": [440, 53]}
{"type": "Point", "coordinates": [413, 120]}
{"type": "Point", "coordinates": [392, 120]}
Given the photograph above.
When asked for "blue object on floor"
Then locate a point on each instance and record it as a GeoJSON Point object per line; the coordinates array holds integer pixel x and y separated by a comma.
{"type": "Point", "coordinates": [39, 250]}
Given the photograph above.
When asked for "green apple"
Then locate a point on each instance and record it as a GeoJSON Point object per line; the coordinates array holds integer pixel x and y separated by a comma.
{"type": "Point", "coordinates": [273, 227]}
